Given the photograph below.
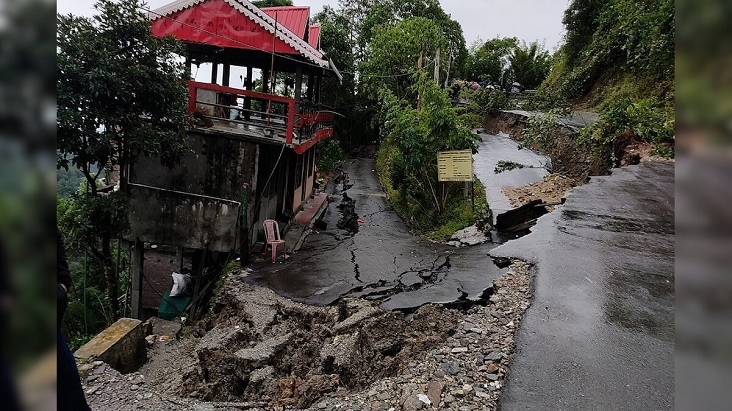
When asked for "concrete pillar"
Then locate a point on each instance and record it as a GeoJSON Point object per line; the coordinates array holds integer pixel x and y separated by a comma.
{"type": "Point", "coordinates": [178, 259]}
{"type": "Point", "coordinates": [298, 88]}
{"type": "Point", "coordinates": [227, 74]}
{"type": "Point", "coordinates": [311, 83]}
{"type": "Point", "coordinates": [136, 272]}
{"type": "Point", "coordinates": [215, 73]}
{"type": "Point", "coordinates": [317, 89]}
{"type": "Point", "coordinates": [249, 86]}
{"type": "Point", "coordinates": [265, 81]}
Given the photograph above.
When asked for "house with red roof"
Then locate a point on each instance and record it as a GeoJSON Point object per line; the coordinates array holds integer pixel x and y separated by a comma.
{"type": "Point", "coordinates": [253, 141]}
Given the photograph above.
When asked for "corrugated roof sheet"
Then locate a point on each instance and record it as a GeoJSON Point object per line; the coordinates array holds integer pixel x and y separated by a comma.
{"type": "Point", "coordinates": [314, 37]}
{"type": "Point", "coordinates": [283, 31]}
{"type": "Point", "coordinates": [295, 18]}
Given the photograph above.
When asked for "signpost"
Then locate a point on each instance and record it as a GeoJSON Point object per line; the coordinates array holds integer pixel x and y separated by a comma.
{"type": "Point", "coordinates": [456, 165]}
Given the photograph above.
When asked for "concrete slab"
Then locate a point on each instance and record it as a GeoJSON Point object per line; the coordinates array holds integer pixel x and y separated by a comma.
{"type": "Point", "coordinates": [121, 345]}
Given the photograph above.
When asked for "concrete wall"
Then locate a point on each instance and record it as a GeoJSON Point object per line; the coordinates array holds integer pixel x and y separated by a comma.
{"type": "Point", "coordinates": [197, 201]}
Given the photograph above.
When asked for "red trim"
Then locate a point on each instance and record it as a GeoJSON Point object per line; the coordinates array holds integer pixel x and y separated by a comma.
{"type": "Point", "coordinates": [193, 87]}
{"type": "Point", "coordinates": [319, 135]}
{"type": "Point", "coordinates": [242, 92]}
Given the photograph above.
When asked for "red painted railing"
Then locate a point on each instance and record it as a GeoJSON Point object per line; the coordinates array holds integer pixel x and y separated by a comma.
{"type": "Point", "coordinates": [309, 126]}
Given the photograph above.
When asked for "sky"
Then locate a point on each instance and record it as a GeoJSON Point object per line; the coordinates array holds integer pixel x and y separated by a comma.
{"type": "Point", "coordinates": [527, 20]}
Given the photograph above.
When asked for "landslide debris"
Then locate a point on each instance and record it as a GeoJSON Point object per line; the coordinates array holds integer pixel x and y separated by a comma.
{"type": "Point", "coordinates": [258, 346]}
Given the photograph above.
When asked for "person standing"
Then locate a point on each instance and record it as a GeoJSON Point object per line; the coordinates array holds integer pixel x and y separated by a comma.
{"type": "Point", "coordinates": [70, 395]}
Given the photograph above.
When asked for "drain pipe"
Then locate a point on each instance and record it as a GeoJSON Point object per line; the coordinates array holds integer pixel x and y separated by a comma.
{"type": "Point", "coordinates": [244, 227]}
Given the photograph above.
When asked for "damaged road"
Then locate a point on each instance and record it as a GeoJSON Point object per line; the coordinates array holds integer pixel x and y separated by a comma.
{"type": "Point", "coordinates": [367, 251]}
{"type": "Point", "coordinates": [600, 333]}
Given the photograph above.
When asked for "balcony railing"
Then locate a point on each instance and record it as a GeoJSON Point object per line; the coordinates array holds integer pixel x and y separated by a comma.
{"type": "Point", "coordinates": [243, 111]}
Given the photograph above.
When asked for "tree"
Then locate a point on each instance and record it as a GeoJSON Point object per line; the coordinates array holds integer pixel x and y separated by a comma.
{"type": "Point", "coordinates": [391, 12]}
{"type": "Point", "coordinates": [395, 51]}
{"type": "Point", "coordinates": [121, 94]}
{"type": "Point", "coordinates": [489, 60]}
{"type": "Point", "coordinates": [272, 3]}
{"type": "Point", "coordinates": [529, 64]}
{"type": "Point", "coordinates": [409, 152]}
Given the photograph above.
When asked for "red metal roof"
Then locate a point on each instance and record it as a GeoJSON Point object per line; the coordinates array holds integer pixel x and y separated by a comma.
{"type": "Point", "coordinates": [295, 18]}
{"type": "Point", "coordinates": [314, 37]}
{"type": "Point", "coordinates": [234, 24]}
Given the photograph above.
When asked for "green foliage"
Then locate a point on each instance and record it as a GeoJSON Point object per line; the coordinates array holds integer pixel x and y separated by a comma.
{"type": "Point", "coordinates": [612, 38]}
{"type": "Point", "coordinates": [120, 93]}
{"type": "Point", "coordinates": [483, 214]}
{"type": "Point", "coordinates": [504, 165]}
{"type": "Point", "coordinates": [394, 53]}
{"type": "Point", "coordinates": [390, 12]}
{"type": "Point", "coordinates": [484, 101]}
{"type": "Point", "coordinates": [488, 61]}
{"type": "Point", "coordinates": [272, 3]}
{"type": "Point", "coordinates": [407, 161]}
{"type": "Point", "coordinates": [330, 155]}
{"type": "Point", "coordinates": [630, 121]}
{"type": "Point", "coordinates": [541, 129]}
{"type": "Point", "coordinates": [529, 64]}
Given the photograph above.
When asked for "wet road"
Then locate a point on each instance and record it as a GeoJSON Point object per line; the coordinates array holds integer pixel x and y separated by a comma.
{"type": "Point", "coordinates": [381, 261]}
{"type": "Point", "coordinates": [491, 150]}
{"type": "Point", "coordinates": [600, 331]}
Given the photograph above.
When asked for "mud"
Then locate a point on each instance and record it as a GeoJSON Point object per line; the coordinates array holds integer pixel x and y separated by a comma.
{"type": "Point", "coordinates": [550, 190]}
{"type": "Point", "coordinates": [258, 346]}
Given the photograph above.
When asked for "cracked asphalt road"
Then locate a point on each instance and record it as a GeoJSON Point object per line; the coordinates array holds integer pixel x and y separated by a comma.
{"type": "Point", "coordinates": [381, 261]}
{"type": "Point", "coordinates": [600, 331]}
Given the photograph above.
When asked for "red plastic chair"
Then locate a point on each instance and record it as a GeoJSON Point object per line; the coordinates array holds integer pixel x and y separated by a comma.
{"type": "Point", "coordinates": [272, 233]}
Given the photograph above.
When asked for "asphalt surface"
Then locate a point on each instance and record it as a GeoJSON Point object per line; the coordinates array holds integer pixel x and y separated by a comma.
{"type": "Point", "coordinates": [494, 148]}
{"type": "Point", "coordinates": [380, 261]}
{"type": "Point", "coordinates": [600, 331]}
{"type": "Point", "coordinates": [575, 120]}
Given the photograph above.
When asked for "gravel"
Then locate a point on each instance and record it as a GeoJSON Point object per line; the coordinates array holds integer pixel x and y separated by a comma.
{"type": "Point", "coordinates": [464, 371]}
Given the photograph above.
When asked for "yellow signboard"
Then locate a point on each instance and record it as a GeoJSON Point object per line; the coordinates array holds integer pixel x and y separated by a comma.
{"type": "Point", "coordinates": [455, 165]}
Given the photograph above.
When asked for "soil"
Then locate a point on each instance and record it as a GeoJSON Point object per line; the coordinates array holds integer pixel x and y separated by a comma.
{"type": "Point", "coordinates": [550, 190]}
{"type": "Point", "coordinates": [257, 350]}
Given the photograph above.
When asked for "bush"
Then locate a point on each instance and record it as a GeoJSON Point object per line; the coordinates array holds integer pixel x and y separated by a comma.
{"type": "Point", "coordinates": [330, 155]}
{"type": "Point", "coordinates": [542, 128]}
{"type": "Point", "coordinates": [485, 101]}
{"type": "Point", "coordinates": [629, 121]}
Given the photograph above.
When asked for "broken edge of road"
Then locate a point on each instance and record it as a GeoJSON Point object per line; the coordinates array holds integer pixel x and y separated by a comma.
{"type": "Point", "coordinates": [306, 230]}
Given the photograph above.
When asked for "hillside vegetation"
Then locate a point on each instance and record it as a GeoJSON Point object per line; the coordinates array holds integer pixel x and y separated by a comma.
{"type": "Point", "coordinates": [618, 60]}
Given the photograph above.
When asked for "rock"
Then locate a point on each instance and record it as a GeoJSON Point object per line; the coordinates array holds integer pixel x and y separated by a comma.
{"type": "Point", "coordinates": [458, 350]}
{"type": "Point", "coordinates": [383, 396]}
{"type": "Point", "coordinates": [92, 390]}
{"type": "Point", "coordinates": [468, 326]}
{"type": "Point", "coordinates": [493, 356]}
{"type": "Point", "coordinates": [150, 340]}
{"type": "Point", "coordinates": [134, 387]}
{"type": "Point", "coordinates": [467, 388]}
{"type": "Point", "coordinates": [86, 367]}
{"type": "Point", "coordinates": [450, 368]}
{"type": "Point", "coordinates": [492, 377]}
{"type": "Point", "coordinates": [434, 392]}
{"type": "Point", "coordinates": [424, 399]}
{"type": "Point", "coordinates": [491, 368]}
{"type": "Point", "coordinates": [476, 330]}
{"type": "Point", "coordinates": [448, 399]}
{"type": "Point", "coordinates": [121, 345]}
{"type": "Point", "coordinates": [481, 394]}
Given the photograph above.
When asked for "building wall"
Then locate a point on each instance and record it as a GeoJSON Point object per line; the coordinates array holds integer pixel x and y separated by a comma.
{"type": "Point", "coordinates": [196, 203]}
